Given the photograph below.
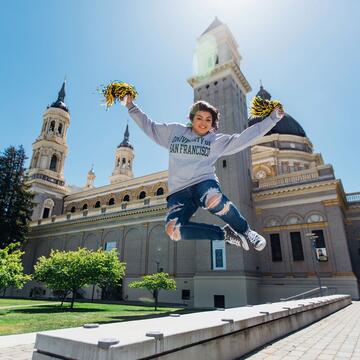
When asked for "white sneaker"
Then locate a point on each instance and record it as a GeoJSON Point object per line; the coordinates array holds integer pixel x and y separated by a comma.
{"type": "Point", "coordinates": [255, 239]}
{"type": "Point", "coordinates": [233, 238]}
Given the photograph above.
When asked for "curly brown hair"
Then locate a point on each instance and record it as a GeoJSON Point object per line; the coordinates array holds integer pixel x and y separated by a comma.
{"type": "Point", "coordinates": [205, 106]}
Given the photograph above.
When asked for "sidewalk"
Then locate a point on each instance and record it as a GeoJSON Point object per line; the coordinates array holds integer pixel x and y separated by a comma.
{"type": "Point", "coordinates": [19, 347]}
{"type": "Point", "coordinates": [335, 337]}
{"type": "Point", "coordinates": [21, 306]}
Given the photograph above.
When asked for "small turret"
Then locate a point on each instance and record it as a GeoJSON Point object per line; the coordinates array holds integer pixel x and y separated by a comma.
{"type": "Point", "coordinates": [90, 178]}
{"type": "Point", "coordinates": [124, 157]}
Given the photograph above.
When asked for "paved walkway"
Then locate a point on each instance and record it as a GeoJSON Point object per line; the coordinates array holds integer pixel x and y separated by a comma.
{"type": "Point", "coordinates": [335, 337]}
{"type": "Point", "coordinates": [40, 304]}
{"type": "Point", "coordinates": [19, 347]}
{"type": "Point", "coordinates": [20, 352]}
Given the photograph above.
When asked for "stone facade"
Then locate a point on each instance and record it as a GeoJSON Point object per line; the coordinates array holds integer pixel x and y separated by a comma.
{"type": "Point", "coordinates": [46, 171]}
{"type": "Point", "coordinates": [282, 187]}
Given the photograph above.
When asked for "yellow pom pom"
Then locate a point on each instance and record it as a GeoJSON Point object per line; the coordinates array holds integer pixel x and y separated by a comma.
{"type": "Point", "coordinates": [262, 107]}
{"type": "Point", "coordinates": [116, 91]}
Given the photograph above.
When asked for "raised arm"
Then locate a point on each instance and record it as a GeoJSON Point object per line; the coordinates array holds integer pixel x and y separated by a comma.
{"type": "Point", "coordinates": [231, 144]}
{"type": "Point", "coordinates": [160, 133]}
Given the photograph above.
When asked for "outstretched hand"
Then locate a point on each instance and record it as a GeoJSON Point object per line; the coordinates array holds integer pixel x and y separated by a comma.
{"type": "Point", "coordinates": [129, 100]}
{"type": "Point", "coordinates": [279, 112]}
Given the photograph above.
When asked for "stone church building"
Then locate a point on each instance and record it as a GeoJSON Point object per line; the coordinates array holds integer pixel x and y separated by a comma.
{"type": "Point", "coordinates": [280, 184]}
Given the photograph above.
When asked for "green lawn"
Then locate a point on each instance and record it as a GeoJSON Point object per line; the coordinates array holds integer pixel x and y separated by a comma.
{"type": "Point", "coordinates": [16, 302]}
{"type": "Point", "coordinates": [51, 316]}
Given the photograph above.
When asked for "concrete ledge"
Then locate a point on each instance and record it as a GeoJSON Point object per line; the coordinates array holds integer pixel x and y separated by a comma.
{"type": "Point", "coordinates": [226, 334]}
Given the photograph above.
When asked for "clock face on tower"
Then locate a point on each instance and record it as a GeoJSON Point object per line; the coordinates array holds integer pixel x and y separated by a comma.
{"type": "Point", "coordinates": [260, 174]}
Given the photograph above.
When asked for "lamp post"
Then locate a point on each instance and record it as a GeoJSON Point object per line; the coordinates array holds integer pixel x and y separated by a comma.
{"type": "Point", "coordinates": [158, 256]}
{"type": "Point", "coordinates": [313, 238]}
{"type": "Point", "coordinates": [156, 291]}
{"type": "Point", "coordinates": [157, 266]}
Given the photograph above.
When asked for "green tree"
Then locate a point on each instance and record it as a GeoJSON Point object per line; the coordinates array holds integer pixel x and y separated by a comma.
{"type": "Point", "coordinates": [67, 272]}
{"type": "Point", "coordinates": [15, 198]}
{"type": "Point", "coordinates": [154, 283]}
{"type": "Point", "coordinates": [107, 270]}
{"type": "Point", "coordinates": [64, 271]}
{"type": "Point", "coordinates": [11, 268]}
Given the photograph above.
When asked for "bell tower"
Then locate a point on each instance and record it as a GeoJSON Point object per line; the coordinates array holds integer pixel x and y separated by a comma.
{"type": "Point", "coordinates": [218, 79]}
{"type": "Point", "coordinates": [49, 151]}
{"type": "Point", "coordinates": [124, 157]}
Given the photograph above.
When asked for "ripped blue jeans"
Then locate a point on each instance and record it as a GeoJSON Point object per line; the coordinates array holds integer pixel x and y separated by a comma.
{"type": "Point", "coordinates": [206, 194]}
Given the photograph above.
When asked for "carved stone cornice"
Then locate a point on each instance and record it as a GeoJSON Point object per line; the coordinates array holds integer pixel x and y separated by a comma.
{"type": "Point", "coordinates": [306, 226]}
{"type": "Point", "coordinates": [64, 115]}
{"type": "Point", "coordinates": [294, 189]}
{"type": "Point", "coordinates": [97, 221]}
{"type": "Point", "coordinates": [49, 185]}
{"type": "Point", "coordinates": [196, 81]}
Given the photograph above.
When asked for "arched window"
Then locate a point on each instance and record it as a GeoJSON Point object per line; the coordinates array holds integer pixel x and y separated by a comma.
{"type": "Point", "coordinates": [52, 126]}
{"type": "Point", "coordinates": [46, 213]}
{"type": "Point", "coordinates": [60, 129]}
{"type": "Point", "coordinates": [35, 160]}
{"type": "Point", "coordinates": [270, 222]}
{"type": "Point", "coordinates": [142, 195]}
{"type": "Point", "coordinates": [97, 205]}
{"type": "Point", "coordinates": [53, 163]}
{"type": "Point", "coordinates": [112, 201]}
{"type": "Point", "coordinates": [126, 198]}
{"type": "Point", "coordinates": [73, 209]}
{"type": "Point", "coordinates": [293, 219]}
{"type": "Point", "coordinates": [47, 208]}
{"type": "Point", "coordinates": [159, 191]}
{"type": "Point", "coordinates": [315, 218]}
{"type": "Point", "coordinates": [85, 206]}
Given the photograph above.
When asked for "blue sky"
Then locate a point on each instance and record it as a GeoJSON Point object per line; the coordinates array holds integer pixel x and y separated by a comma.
{"type": "Point", "coordinates": [306, 53]}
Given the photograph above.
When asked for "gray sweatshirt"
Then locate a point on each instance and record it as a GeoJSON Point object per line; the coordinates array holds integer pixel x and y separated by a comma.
{"type": "Point", "coordinates": [192, 157]}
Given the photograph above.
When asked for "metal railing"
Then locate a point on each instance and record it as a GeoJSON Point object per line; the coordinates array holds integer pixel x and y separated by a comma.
{"type": "Point", "coordinates": [302, 295]}
{"type": "Point", "coordinates": [353, 197]}
{"type": "Point", "coordinates": [288, 178]}
{"type": "Point", "coordinates": [287, 169]}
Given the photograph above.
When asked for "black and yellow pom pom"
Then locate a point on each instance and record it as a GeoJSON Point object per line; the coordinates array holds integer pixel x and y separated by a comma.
{"type": "Point", "coordinates": [115, 91]}
{"type": "Point", "coordinates": [262, 107]}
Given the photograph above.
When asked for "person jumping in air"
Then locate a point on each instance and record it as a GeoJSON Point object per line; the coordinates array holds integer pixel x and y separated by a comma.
{"type": "Point", "coordinates": [193, 151]}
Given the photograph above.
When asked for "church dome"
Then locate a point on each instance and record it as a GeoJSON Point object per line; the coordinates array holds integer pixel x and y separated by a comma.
{"type": "Point", "coordinates": [286, 126]}
{"type": "Point", "coordinates": [263, 93]}
{"type": "Point", "coordinates": [125, 142]}
{"type": "Point", "coordinates": [59, 103]}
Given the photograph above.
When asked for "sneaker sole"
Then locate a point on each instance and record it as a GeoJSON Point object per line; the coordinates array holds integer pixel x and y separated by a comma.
{"type": "Point", "coordinates": [234, 243]}
{"type": "Point", "coordinates": [244, 242]}
{"type": "Point", "coordinates": [260, 247]}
